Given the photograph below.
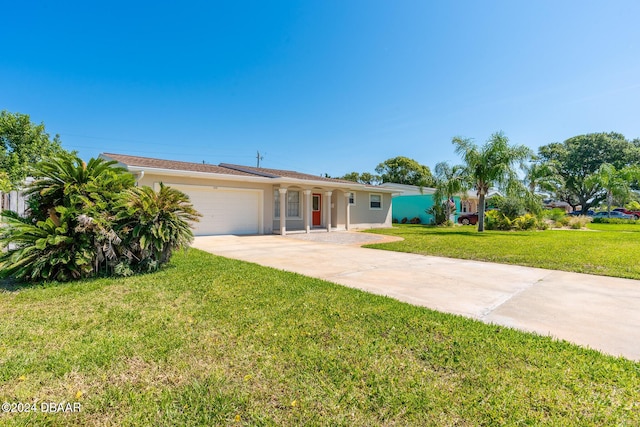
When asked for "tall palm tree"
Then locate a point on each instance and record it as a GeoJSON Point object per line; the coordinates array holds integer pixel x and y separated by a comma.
{"type": "Point", "coordinates": [490, 165]}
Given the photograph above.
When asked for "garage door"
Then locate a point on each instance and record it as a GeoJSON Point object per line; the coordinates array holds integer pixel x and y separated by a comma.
{"type": "Point", "coordinates": [225, 210]}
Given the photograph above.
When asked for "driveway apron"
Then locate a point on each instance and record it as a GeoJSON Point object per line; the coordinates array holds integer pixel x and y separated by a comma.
{"type": "Point", "coordinates": [602, 313]}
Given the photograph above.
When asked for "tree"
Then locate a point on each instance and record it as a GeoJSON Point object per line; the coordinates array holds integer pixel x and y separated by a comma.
{"type": "Point", "coordinates": [490, 165]}
{"type": "Point", "coordinates": [22, 145]}
{"type": "Point", "coordinates": [403, 170]}
{"type": "Point", "coordinates": [362, 178]}
{"type": "Point", "coordinates": [449, 180]}
{"type": "Point", "coordinates": [580, 156]}
{"type": "Point", "coordinates": [614, 182]}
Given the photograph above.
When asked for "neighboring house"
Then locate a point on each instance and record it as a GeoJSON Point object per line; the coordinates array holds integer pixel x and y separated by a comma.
{"type": "Point", "coordinates": [410, 201]}
{"type": "Point", "coordinates": [15, 200]}
{"type": "Point", "coordinates": [469, 202]}
{"type": "Point", "coordinates": [236, 199]}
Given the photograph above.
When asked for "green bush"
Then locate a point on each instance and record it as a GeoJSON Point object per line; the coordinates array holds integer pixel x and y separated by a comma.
{"type": "Point", "coordinates": [525, 222]}
{"type": "Point", "coordinates": [88, 219]}
{"type": "Point", "coordinates": [496, 220]}
{"type": "Point", "coordinates": [555, 214]}
{"type": "Point", "coordinates": [601, 220]}
{"type": "Point", "coordinates": [415, 220]}
{"type": "Point", "coordinates": [438, 212]}
{"type": "Point", "coordinates": [511, 207]}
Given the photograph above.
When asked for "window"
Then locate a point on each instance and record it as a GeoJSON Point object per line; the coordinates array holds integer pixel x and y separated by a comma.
{"type": "Point", "coordinates": [293, 204]}
{"type": "Point", "coordinates": [352, 198]}
{"type": "Point", "coordinates": [375, 201]}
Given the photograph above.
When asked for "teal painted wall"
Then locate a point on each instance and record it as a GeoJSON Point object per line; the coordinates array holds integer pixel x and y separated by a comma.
{"type": "Point", "coordinates": [412, 206]}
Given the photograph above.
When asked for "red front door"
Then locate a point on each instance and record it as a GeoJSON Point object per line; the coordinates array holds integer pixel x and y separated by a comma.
{"type": "Point", "coordinates": [316, 209]}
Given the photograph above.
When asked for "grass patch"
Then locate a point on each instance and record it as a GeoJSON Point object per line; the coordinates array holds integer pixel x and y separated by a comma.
{"type": "Point", "coordinates": [213, 341]}
{"type": "Point", "coordinates": [610, 250]}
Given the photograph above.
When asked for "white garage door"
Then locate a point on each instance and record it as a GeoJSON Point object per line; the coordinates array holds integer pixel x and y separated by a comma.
{"type": "Point", "coordinates": [225, 210]}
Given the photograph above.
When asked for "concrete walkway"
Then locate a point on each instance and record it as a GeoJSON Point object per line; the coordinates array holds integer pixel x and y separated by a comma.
{"type": "Point", "coordinates": [598, 312]}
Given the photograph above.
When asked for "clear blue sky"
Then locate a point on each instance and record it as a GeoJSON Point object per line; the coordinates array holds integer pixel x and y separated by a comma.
{"type": "Point", "coordinates": [319, 86]}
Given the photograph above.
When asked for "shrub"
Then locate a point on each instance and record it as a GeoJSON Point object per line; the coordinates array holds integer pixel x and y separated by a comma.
{"type": "Point", "coordinates": [525, 222]}
{"type": "Point", "coordinates": [88, 219]}
{"type": "Point", "coordinates": [415, 220]}
{"type": "Point", "coordinates": [439, 213]}
{"type": "Point", "coordinates": [605, 220]}
{"type": "Point", "coordinates": [496, 220]}
{"type": "Point", "coordinates": [555, 214]}
{"type": "Point", "coordinates": [404, 220]}
{"type": "Point", "coordinates": [394, 221]}
{"type": "Point", "coordinates": [511, 207]}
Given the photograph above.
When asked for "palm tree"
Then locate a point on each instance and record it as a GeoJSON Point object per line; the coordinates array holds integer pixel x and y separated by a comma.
{"type": "Point", "coordinates": [615, 182]}
{"type": "Point", "coordinates": [490, 165]}
{"type": "Point", "coordinates": [450, 180]}
{"type": "Point", "coordinates": [156, 223]}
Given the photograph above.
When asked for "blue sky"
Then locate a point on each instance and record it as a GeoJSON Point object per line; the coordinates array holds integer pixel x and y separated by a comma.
{"type": "Point", "coordinates": [319, 86]}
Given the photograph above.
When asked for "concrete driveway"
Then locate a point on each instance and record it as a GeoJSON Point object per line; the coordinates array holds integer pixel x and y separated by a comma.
{"type": "Point", "coordinates": [598, 312]}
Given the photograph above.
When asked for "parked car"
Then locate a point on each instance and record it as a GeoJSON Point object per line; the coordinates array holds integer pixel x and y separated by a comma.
{"type": "Point", "coordinates": [590, 212]}
{"type": "Point", "coordinates": [634, 214]}
{"type": "Point", "coordinates": [469, 218]}
{"type": "Point", "coordinates": [614, 214]}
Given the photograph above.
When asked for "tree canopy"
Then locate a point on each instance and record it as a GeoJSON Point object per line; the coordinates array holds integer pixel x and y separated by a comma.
{"type": "Point", "coordinates": [403, 170]}
{"type": "Point", "coordinates": [362, 178]}
{"type": "Point", "coordinates": [22, 145]}
{"type": "Point", "coordinates": [581, 156]}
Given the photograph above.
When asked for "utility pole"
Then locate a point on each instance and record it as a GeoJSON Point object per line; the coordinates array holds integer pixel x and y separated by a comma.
{"type": "Point", "coordinates": [259, 157]}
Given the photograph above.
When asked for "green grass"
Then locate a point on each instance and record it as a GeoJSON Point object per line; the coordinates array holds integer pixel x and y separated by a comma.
{"type": "Point", "coordinates": [607, 250]}
{"type": "Point", "coordinates": [212, 341]}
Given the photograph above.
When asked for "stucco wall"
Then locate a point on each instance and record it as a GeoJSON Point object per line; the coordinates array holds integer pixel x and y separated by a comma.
{"type": "Point", "coordinates": [412, 206]}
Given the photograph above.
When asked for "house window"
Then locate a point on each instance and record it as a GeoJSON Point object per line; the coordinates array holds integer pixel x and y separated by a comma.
{"type": "Point", "coordinates": [375, 201]}
{"type": "Point", "coordinates": [293, 204]}
{"type": "Point", "coordinates": [352, 199]}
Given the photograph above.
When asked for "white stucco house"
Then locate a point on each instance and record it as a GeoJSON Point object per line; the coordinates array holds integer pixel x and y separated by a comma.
{"type": "Point", "coordinates": [235, 199]}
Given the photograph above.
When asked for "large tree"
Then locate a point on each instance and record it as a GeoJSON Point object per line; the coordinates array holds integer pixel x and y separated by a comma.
{"type": "Point", "coordinates": [581, 156]}
{"type": "Point", "coordinates": [492, 164]}
{"type": "Point", "coordinates": [22, 145]}
{"type": "Point", "coordinates": [613, 182]}
{"type": "Point", "coordinates": [403, 170]}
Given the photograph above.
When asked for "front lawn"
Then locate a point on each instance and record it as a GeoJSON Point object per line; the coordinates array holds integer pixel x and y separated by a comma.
{"type": "Point", "coordinates": [212, 341]}
{"type": "Point", "coordinates": [604, 249]}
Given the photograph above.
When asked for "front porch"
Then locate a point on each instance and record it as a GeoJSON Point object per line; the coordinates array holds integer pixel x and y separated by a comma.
{"type": "Point", "coordinates": [310, 210]}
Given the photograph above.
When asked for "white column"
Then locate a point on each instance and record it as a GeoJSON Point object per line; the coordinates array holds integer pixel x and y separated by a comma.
{"type": "Point", "coordinates": [347, 211]}
{"type": "Point", "coordinates": [307, 210]}
{"type": "Point", "coordinates": [327, 203]}
{"type": "Point", "coordinates": [283, 211]}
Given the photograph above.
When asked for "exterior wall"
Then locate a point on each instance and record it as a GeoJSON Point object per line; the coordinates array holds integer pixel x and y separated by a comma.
{"type": "Point", "coordinates": [150, 179]}
{"type": "Point", "coordinates": [415, 206]}
{"type": "Point", "coordinates": [362, 216]}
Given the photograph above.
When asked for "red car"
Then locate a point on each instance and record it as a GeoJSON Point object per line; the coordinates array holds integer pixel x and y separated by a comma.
{"type": "Point", "coordinates": [469, 218]}
{"type": "Point", "coordinates": [634, 214]}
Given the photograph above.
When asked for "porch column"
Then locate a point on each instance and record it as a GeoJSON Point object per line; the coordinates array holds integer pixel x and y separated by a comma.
{"type": "Point", "coordinates": [307, 210]}
{"type": "Point", "coordinates": [347, 210]}
{"type": "Point", "coordinates": [283, 211]}
{"type": "Point", "coordinates": [328, 205]}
